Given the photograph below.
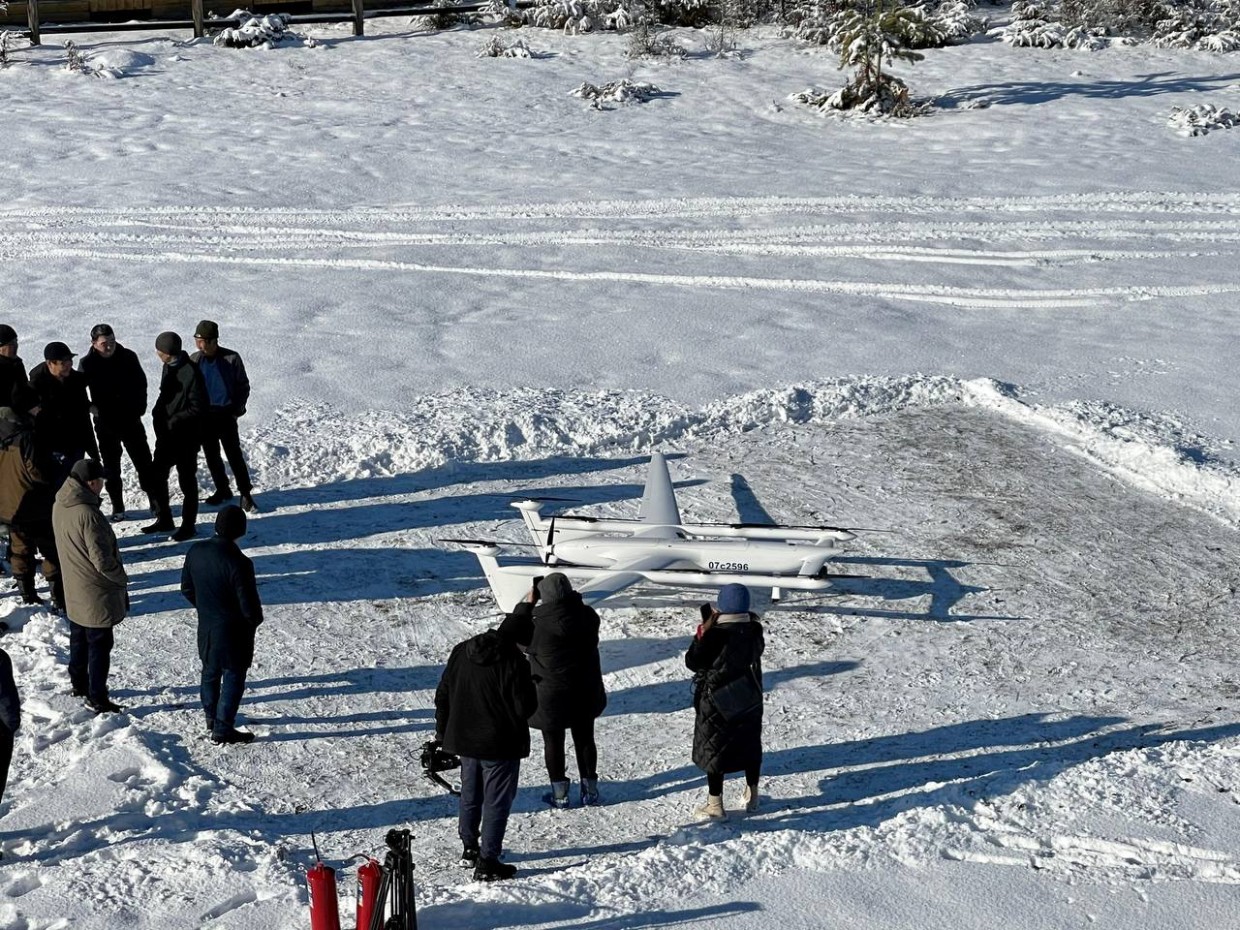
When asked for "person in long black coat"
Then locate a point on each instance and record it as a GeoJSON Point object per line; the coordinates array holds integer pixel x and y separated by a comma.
{"type": "Point", "coordinates": [218, 579]}
{"type": "Point", "coordinates": [482, 703]}
{"type": "Point", "coordinates": [560, 634]}
{"type": "Point", "coordinates": [118, 395]}
{"type": "Point", "coordinates": [10, 717]}
{"type": "Point", "coordinates": [726, 658]}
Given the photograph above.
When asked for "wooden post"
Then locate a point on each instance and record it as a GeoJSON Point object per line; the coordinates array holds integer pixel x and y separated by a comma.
{"type": "Point", "coordinates": [359, 28]}
{"type": "Point", "coordinates": [32, 19]}
{"type": "Point", "coordinates": [196, 11]}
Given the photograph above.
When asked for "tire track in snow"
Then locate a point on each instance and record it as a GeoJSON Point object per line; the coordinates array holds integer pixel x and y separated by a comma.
{"type": "Point", "coordinates": [965, 297]}
{"type": "Point", "coordinates": [1130, 201]}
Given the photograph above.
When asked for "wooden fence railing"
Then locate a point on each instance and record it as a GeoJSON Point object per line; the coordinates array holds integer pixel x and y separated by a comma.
{"type": "Point", "coordinates": [200, 24]}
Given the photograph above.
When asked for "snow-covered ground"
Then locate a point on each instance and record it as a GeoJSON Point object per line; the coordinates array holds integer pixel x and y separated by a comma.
{"type": "Point", "coordinates": [1004, 333]}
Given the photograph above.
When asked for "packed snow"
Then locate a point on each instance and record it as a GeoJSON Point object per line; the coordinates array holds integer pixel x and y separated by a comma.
{"type": "Point", "coordinates": [999, 336]}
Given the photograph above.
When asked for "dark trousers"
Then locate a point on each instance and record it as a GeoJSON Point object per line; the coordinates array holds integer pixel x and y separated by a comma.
{"type": "Point", "coordinates": [714, 780]}
{"type": "Point", "coordinates": [181, 453]}
{"type": "Point", "coordinates": [26, 542]}
{"type": "Point", "coordinates": [583, 746]}
{"type": "Point", "coordinates": [90, 658]}
{"type": "Point", "coordinates": [222, 431]}
{"type": "Point", "coordinates": [221, 696]}
{"type": "Point", "coordinates": [114, 433]}
{"type": "Point", "coordinates": [488, 788]}
{"type": "Point", "coordinates": [6, 756]}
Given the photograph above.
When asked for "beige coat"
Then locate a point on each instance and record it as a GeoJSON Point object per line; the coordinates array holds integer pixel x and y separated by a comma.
{"type": "Point", "coordinates": [90, 562]}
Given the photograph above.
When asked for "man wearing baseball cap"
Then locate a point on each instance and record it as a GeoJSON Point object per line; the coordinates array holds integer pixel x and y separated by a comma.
{"type": "Point", "coordinates": [62, 427]}
{"type": "Point", "coordinates": [228, 389]}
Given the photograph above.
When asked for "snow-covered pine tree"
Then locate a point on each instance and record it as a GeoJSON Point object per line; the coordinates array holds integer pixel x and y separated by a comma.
{"type": "Point", "coordinates": [871, 35]}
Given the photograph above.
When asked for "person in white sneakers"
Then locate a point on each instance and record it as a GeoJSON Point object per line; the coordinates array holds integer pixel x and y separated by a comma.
{"type": "Point", "coordinates": [726, 659]}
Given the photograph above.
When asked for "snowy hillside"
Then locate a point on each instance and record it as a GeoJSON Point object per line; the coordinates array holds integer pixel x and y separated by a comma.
{"type": "Point", "coordinates": [1000, 336]}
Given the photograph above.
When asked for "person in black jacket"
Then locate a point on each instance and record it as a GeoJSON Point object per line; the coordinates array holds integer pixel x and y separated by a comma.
{"type": "Point", "coordinates": [218, 579]}
{"type": "Point", "coordinates": [14, 383]}
{"type": "Point", "coordinates": [177, 416]}
{"type": "Point", "coordinates": [117, 386]}
{"type": "Point", "coordinates": [62, 427]}
{"type": "Point", "coordinates": [726, 657]}
{"type": "Point", "coordinates": [560, 635]}
{"type": "Point", "coordinates": [10, 717]}
{"type": "Point", "coordinates": [228, 390]}
{"type": "Point", "coordinates": [482, 703]}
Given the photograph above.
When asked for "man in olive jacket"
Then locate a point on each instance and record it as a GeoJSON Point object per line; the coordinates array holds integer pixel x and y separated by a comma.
{"type": "Point", "coordinates": [218, 579]}
{"type": "Point", "coordinates": [26, 506]}
{"type": "Point", "coordinates": [482, 703]}
{"type": "Point", "coordinates": [178, 418]}
{"type": "Point", "coordinates": [96, 586]}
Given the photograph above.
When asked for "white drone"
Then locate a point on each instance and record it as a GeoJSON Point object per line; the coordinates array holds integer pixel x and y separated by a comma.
{"type": "Point", "coordinates": [603, 556]}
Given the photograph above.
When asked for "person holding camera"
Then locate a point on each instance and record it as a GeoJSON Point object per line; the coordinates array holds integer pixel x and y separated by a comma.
{"type": "Point", "coordinates": [482, 703]}
{"type": "Point", "coordinates": [726, 659]}
{"type": "Point", "coordinates": [560, 635]}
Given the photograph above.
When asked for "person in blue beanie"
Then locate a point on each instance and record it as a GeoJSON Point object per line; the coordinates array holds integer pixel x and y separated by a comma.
{"type": "Point", "coordinates": [726, 659]}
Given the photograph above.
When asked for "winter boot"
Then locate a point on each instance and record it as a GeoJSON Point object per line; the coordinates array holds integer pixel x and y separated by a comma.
{"type": "Point", "coordinates": [589, 792]}
{"type": "Point", "coordinates": [713, 808]}
{"type": "Point", "coordinates": [559, 794]}
{"type": "Point", "coordinates": [222, 496]}
{"type": "Point", "coordinates": [28, 593]}
{"type": "Point", "coordinates": [247, 503]}
{"type": "Point", "coordinates": [187, 531]}
{"type": "Point", "coordinates": [58, 593]}
{"type": "Point", "coordinates": [750, 797]}
{"type": "Point", "coordinates": [469, 857]}
{"type": "Point", "coordinates": [492, 870]}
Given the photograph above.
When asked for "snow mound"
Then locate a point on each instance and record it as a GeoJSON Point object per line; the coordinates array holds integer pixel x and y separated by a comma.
{"type": "Point", "coordinates": [314, 444]}
{"type": "Point", "coordinates": [117, 62]}
{"type": "Point", "coordinates": [621, 91]}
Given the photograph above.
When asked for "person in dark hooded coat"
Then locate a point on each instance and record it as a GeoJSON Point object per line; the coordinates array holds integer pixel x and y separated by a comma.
{"type": "Point", "coordinates": [177, 417]}
{"type": "Point", "coordinates": [726, 658]}
{"type": "Point", "coordinates": [482, 703]}
{"type": "Point", "coordinates": [560, 635]}
{"type": "Point", "coordinates": [10, 717]}
{"type": "Point", "coordinates": [218, 579]}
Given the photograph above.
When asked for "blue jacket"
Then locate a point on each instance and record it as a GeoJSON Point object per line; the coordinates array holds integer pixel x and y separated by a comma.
{"type": "Point", "coordinates": [232, 370]}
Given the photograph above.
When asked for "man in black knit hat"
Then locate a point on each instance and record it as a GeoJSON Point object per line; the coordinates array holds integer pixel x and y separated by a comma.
{"type": "Point", "coordinates": [218, 579]}
{"type": "Point", "coordinates": [177, 416]}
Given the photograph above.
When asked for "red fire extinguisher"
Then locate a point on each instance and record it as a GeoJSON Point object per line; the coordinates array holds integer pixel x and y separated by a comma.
{"type": "Point", "coordinates": [321, 883]}
{"type": "Point", "coordinates": [369, 877]}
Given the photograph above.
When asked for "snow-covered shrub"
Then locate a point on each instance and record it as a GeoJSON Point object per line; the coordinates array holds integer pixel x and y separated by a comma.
{"type": "Point", "coordinates": [266, 31]}
{"type": "Point", "coordinates": [1200, 119]}
{"type": "Point", "coordinates": [75, 61]}
{"type": "Point", "coordinates": [1035, 25]}
{"type": "Point", "coordinates": [924, 24]}
{"type": "Point", "coordinates": [577, 16]}
{"type": "Point", "coordinates": [8, 41]}
{"type": "Point", "coordinates": [693, 13]}
{"type": "Point", "coordinates": [622, 91]}
{"type": "Point", "coordinates": [1211, 25]}
{"type": "Point", "coordinates": [441, 17]}
{"type": "Point", "coordinates": [494, 48]}
{"type": "Point", "coordinates": [646, 42]}
{"type": "Point", "coordinates": [868, 42]}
